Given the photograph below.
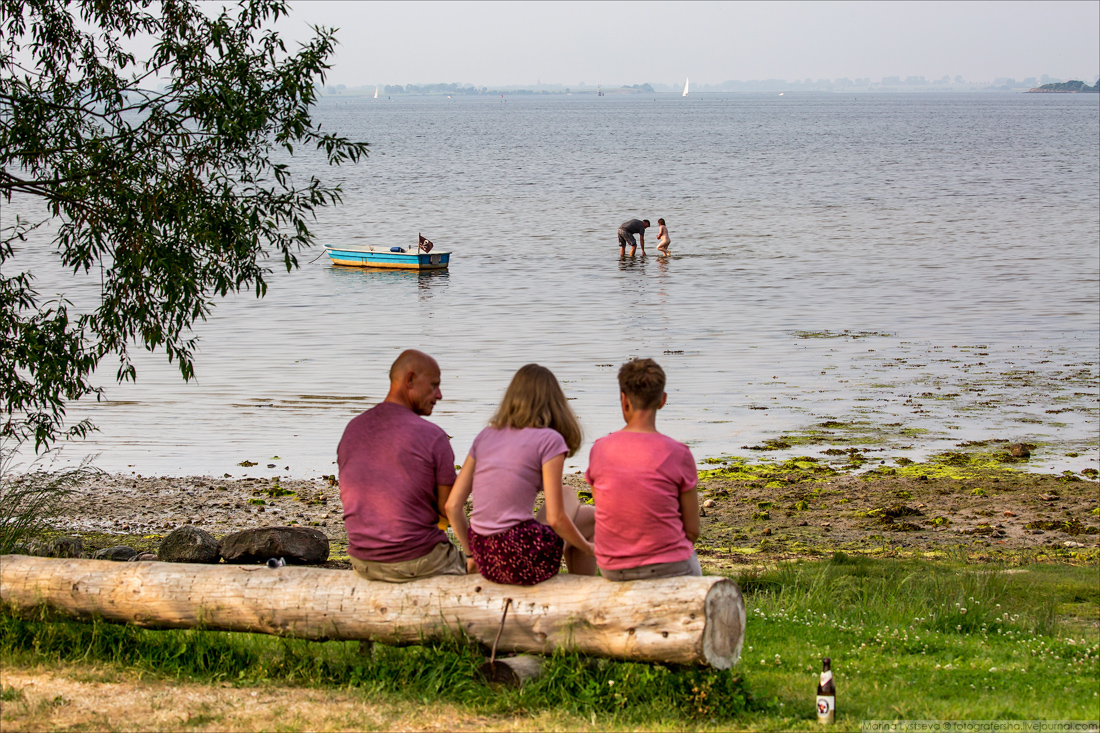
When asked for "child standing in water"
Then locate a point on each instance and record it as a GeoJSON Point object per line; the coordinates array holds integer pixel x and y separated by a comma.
{"type": "Point", "coordinates": [662, 238]}
{"type": "Point", "coordinates": [522, 452]}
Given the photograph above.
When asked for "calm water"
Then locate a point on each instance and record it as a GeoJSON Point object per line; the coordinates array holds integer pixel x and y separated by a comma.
{"type": "Point", "coordinates": [955, 238]}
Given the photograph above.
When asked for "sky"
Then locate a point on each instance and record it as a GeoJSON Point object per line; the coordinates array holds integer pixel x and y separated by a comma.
{"type": "Point", "coordinates": [615, 43]}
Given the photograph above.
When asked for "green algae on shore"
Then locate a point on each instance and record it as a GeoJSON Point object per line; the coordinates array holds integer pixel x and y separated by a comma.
{"type": "Point", "coordinates": [976, 501]}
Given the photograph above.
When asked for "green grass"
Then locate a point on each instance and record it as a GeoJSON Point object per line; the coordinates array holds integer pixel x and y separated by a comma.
{"type": "Point", "coordinates": [8, 694]}
{"type": "Point", "coordinates": [919, 640]}
{"type": "Point", "coordinates": [572, 684]}
{"type": "Point", "coordinates": [908, 639]}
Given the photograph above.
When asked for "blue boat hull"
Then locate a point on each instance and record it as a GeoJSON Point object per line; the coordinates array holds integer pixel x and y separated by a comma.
{"type": "Point", "coordinates": [392, 260]}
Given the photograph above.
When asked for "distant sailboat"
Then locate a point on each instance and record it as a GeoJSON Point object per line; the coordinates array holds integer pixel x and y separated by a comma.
{"type": "Point", "coordinates": [686, 82]}
{"type": "Point", "coordinates": [376, 91]}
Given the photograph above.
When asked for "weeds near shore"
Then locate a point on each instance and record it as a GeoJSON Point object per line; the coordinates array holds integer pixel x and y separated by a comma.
{"type": "Point", "coordinates": [30, 499]}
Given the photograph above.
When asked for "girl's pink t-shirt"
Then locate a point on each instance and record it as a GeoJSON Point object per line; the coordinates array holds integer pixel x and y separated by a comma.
{"type": "Point", "coordinates": [508, 474]}
{"type": "Point", "coordinates": [636, 481]}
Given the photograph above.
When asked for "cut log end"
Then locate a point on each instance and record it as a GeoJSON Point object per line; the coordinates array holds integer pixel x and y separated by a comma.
{"type": "Point", "coordinates": [512, 671]}
{"type": "Point", "coordinates": [724, 632]}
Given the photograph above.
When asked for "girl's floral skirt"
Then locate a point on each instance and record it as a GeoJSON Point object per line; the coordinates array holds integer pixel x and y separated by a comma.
{"type": "Point", "coordinates": [526, 554]}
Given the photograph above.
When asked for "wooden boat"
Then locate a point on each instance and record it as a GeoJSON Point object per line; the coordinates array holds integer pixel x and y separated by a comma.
{"type": "Point", "coordinates": [421, 257]}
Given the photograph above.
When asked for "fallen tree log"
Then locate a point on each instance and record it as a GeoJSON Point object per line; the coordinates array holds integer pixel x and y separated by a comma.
{"type": "Point", "coordinates": [677, 620]}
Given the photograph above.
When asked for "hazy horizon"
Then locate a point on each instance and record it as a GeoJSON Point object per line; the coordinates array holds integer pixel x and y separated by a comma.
{"type": "Point", "coordinates": [614, 44]}
{"type": "Point", "coordinates": [915, 84]}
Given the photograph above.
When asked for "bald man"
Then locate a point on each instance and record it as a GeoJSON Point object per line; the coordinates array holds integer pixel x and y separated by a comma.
{"type": "Point", "coordinates": [396, 471]}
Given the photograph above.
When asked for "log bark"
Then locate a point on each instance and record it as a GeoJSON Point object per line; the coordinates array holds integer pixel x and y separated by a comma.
{"type": "Point", "coordinates": [676, 620]}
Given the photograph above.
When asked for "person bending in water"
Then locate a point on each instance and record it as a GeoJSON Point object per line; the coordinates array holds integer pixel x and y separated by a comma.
{"type": "Point", "coordinates": [627, 230]}
{"type": "Point", "coordinates": [662, 237]}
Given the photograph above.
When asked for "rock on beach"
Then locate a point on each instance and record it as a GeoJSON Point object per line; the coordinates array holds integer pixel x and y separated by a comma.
{"type": "Point", "coordinates": [118, 553]}
{"type": "Point", "coordinates": [188, 544]}
{"type": "Point", "coordinates": [298, 545]}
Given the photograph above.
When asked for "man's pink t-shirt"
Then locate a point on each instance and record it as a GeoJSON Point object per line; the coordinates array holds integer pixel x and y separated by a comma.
{"type": "Point", "coordinates": [391, 460]}
{"type": "Point", "coordinates": [636, 481]}
{"type": "Point", "coordinates": [508, 474]}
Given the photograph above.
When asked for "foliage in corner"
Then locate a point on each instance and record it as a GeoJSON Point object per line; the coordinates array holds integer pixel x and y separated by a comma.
{"type": "Point", "coordinates": [165, 172]}
{"type": "Point", "coordinates": [30, 498]}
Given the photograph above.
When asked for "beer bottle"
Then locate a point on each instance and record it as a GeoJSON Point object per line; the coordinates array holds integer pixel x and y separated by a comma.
{"type": "Point", "coordinates": [826, 694]}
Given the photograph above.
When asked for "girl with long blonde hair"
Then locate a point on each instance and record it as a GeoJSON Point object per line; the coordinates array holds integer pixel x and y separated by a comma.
{"type": "Point", "coordinates": [521, 452]}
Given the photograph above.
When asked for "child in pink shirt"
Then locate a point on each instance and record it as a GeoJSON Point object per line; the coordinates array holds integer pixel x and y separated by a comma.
{"type": "Point", "coordinates": [643, 484]}
{"type": "Point", "coordinates": [521, 453]}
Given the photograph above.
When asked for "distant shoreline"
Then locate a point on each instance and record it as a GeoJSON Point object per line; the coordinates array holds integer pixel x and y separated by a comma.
{"type": "Point", "coordinates": [1067, 87]}
{"type": "Point", "coordinates": [542, 94]}
{"type": "Point", "coordinates": [776, 87]}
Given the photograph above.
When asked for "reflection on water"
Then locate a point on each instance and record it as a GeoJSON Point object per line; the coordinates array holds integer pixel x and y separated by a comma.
{"type": "Point", "coordinates": [427, 282]}
{"type": "Point", "coordinates": [633, 264]}
{"type": "Point", "coordinates": [922, 269]}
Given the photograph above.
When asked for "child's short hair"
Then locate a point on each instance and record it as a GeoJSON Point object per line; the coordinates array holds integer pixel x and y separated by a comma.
{"type": "Point", "coordinates": [661, 222]}
{"type": "Point", "coordinates": [643, 383]}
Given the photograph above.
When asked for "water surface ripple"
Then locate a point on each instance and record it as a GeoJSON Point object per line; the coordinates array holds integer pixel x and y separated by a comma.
{"type": "Point", "coordinates": [921, 268]}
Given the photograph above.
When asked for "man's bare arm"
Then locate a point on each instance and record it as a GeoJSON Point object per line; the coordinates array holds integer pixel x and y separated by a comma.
{"type": "Point", "coordinates": [441, 494]}
{"type": "Point", "coordinates": [455, 509]}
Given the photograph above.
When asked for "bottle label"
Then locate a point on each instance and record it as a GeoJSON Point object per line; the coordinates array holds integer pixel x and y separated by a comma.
{"type": "Point", "coordinates": [826, 708]}
{"type": "Point", "coordinates": [826, 676]}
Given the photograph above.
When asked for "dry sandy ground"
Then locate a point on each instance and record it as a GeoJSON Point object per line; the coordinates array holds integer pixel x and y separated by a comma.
{"type": "Point", "coordinates": [88, 698]}
{"type": "Point", "coordinates": [139, 506]}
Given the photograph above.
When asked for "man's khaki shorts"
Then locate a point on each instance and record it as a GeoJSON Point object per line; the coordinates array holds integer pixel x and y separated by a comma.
{"type": "Point", "coordinates": [444, 559]}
